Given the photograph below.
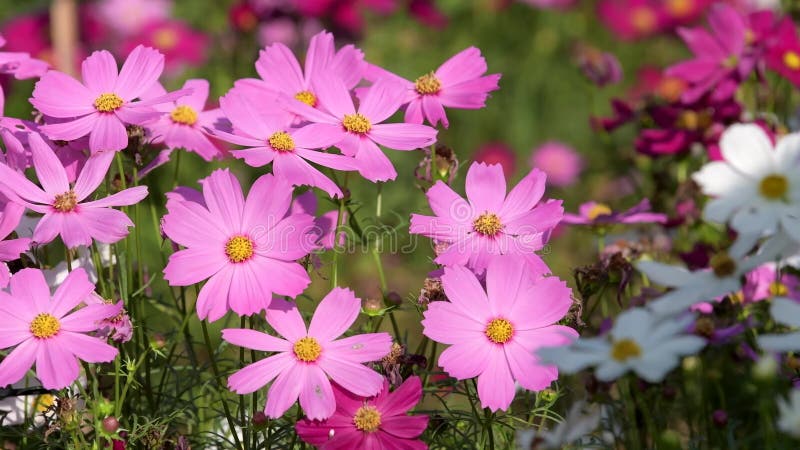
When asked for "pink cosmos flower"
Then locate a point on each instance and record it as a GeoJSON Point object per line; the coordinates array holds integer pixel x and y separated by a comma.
{"type": "Point", "coordinates": [10, 215]}
{"type": "Point", "coordinates": [20, 65]}
{"type": "Point", "coordinates": [497, 153]}
{"type": "Point", "coordinates": [783, 56]}
{"type": "Point", "coordinates": [380, 422]}
{"type": "Point", "coordinates": [632, 19]}
{"type": "Point", "coordinates": [721, 58]}
{"type": "Point", "coordinates": [281, 74]}
{"type": "Point", "coordinates": [494, 332]}
{"type": "Point", "coordinates": [181, 45]}
{"type": "Point", "coordinates": [128, 17]}
{"type": "Point", "coordinates": [765, 282]}
{"type": "Point", "coordinates": [305, 358]}
{"type": "Point", "coordinates": [560, 162]}
{"type": "Point", "coordinates": [593, 213]}
{"type": "Point", "coordinates": [271, 140]}
{"type": "Point", "coordinates": [117, 327]}
{"type": "Point", "coordinates": [65, 211]}
{"type": "Point", "coordinates": [104, 104]}
{"type": "Point", "coordinates": [246, 248]}
{"type": "Point", "coordinates": [44, 330]}
{"type": "Point", "coordinates": [458, 83]}
{"type": "Point", "coordinates": [184, 122]}
{"type": "Point", "coordinates": [358, 131]}
{"type": "Point", "coordinates": [489, 222]}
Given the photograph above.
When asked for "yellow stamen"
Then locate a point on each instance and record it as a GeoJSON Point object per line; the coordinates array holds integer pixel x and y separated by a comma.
{"type": "Point", "coordinates": [731, 62]}
{"type": "Point", "coordinates": [367, 419]}
{"type": "Point", "coordinates": [307, 97]}
{"type": "Point", "coordinates": [679, 8]}
{"type": "Point", "coordinates": [307, 349]}
{"type": "Point", "coordinates": [499, 331]}
{"type": "Point", "coordinates": [625, 349]}
{"type": "Point", "coordinates": [723, 265]}
{"type": "Point", "coordinates": [791, 60]}
{"type": "Point", "coordinates": [45, 326]}
{"type": "Point", "coordinates": [43, 402]}
{"type": "Point", "coordinates": [66, 202]}
{"type": "Point", "coordinates": [184, 114]}
{"type": "Point", "coordinates": [281, 141]}
{"type": "Point", "coordinates": [643, 19]}
{"type": "Point", "coordinates": [694, 121]}
{"type": "Point", "coordinates": [239, 249]}
{"type": "Point", "coordinates": [778, 289]}
{"type": "Point", "coordinates": [108, 102]}
{"type": "Point", "coordinates": [487, 224]}
{"type": "Point", "coordinates": [165, 39]}
{"type": "Point", "coordinates": [427, 84]}
{"type": "Point", "coordinates": [356, 123]}
{"type": "Point", "coordinates": [774, 187]}
{"type": "Point", "coordinates": [599, 209]}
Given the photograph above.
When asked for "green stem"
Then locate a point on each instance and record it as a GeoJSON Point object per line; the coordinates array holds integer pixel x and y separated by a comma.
{"type": "Point", "coordinates": [336, 248]}
{"type": "Point", "coordinates": [222, 388]}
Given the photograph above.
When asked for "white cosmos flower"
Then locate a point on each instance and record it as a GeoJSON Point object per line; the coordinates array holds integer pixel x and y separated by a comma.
{"type": "Point", "coordinates": [789, 420]}
{"type": "Point", "coordinates": [785, 311]}
{"type": "Point", "coordinates": [756, 187]}
{"type": "Point", "coordinates": [581, 421]}
{"type": "Point", "coordinates": [639, 341]}
{"type": "Point", "coordinates": [722, 278]}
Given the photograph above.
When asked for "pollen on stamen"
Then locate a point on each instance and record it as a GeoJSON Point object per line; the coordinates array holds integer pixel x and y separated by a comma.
{"type": "Point", "coordinates": [45, 326]}
{"type": "Point", "coordinates": [239, 249]}
{"type": "Point", "coordinates": [356, 123]}
{"type": "Point", "coordinates": [307, 97]}
{"type": "Point", "coordinates": [625, 349]}
{"type": "Point", "coordinates": [65, 202]}
{"type": "Point", "coordinates": [183, 114]}
{"type": "Point", "coordinates": [307, 349]}
{"type": "Point", "coordinates": [774, 186]}
{"type": "Point", "coordinates": [791, 60]}
{"type": "Point", "coordinates": [367, 419]}
{"type": "Point", "coordinates": [499, 331]}
{"type": "Point", "coordinates": [281, 141]}
{"type": "Point", "coordinates": [487, 224]}
{"type": "Point", "coordinates": [108, 102]}
{"type": "Point", "coordinates": [427, 84]}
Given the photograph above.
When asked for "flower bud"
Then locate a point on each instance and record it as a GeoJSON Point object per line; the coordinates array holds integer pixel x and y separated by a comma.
{"type": "Point", "coordinates": [110, 424]}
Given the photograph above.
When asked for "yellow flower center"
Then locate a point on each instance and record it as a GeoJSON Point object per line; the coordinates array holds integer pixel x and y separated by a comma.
{"type": "Point", "coordinates": [307, 349]}
{"type": "Point", "coordinates": [356, 123]}
{"type": "Point", "coordinates": [184, 114]}
{"type": "Point", "coordinates": [499, 331]}
{"type": "Point", "coordinates": [774, 187]}
{"type": "Point", "coordinates": [307, 97]}
{"type": "Point", "coordinates": [671, 88]}
{"type": "Point", "coordinates": [694, 121]}
{"type": "Point", "coordinates": [625, 349]}
{"type": "Point", "coordinates": [427, 84]}
{"type": "Point", "coordinates": [791, 60]}
{"type": "Point", "coordinates": [487, 224]}
{"type": "Point", "coordinates": [643, 19]}
{"type": "Point", "coordinates": [731, 62]}
{"type": "Point", "coordinates": [165, 39]}
{"type": "Point", "coordinates": [778, 289]}
{"type": "Point", "coordinates": [43, 402]}
{"type": "Point", "coordinates": [599, 209]}
{"type": "Point", "coordinates": [108, 102]}
{"type": "Point", "coordinates": [45, 326]}
{"type": "Point", "coordinates": [367, 419]}
{"type": "Point", "coordinates": [679, 8]}
{"type": "Point", "coordinates": [66, 202]}
{"type": "Point", "coordinates": [723, 265]}
{"type": "Point", "coordinates": [239, 249]}
{"type": "Point", "coordinates": [281, 141]}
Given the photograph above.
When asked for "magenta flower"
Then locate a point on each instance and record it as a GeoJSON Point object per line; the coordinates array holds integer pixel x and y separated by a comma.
{"type": "Point", "coordinates": [458, 83]}
{"type": "Point", "coordinates": [489, 223]}
{"type": "Point", "coordinates": [721, 59]}
{"type": "Point", "coordinates": [305, 358]}
{"type": "Point", "coordinates": [184, 122]}
{"type": "Point", "coordinates": [493, 333]}
{"type": "Point", "coordinates": [560, 162]}
{"type": "Point", "coordinates": [105, 103]}
{"type": "Point", "coordinates": [44, 330]}
{"type": "Point", "coordinates": [593, 213]}
{"type": "Point", "coordinates": [357, 132]}
{"type": "Point", "coordinates": [271, 140]}
{"type": "Point", "coordinates": [21, 65]}
{"type": "Point", "coordinates": [632, 19]}
{"type": "Point", "coordinates": [783, 55]}
{"type": "Point", "coordinates": [127, 17]}
{"type": "Point", "coordinates": [181, 45]}
{"type": "Point", "coordinates": [65, 211]}
{"type": "Point", "coordinates": [10, 215]}
{"type": "Point", "coordinates": [380, 422]}
{"type": "Point", "coordinates": [246, 248]}
{"type": "Point", "coordinates": [497, 153]}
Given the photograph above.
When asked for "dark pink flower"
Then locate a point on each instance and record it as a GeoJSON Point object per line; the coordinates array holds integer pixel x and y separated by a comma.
{"type": "Point", "coordinates": [181, 44]}
{"type": "Point", "coordinates": [783, 55]}
{"type": "Point", "coordinates": [380, 422]}
{"type": "Point", "coordinates": [497, 153]}
{"type": "Point", "coordinates": [632, 19]}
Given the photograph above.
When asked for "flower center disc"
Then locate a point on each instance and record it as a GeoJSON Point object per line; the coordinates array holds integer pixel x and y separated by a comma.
{"type": "Point", "coordinates": [643, 19]}
{"type": "Point", "coordinates": [66, 202]}
{"type": "Point", "coordinates": [281, 141]}
{"type": "Point", "coordinates": [427, 84]}
{"type": "Point", "coordinates": [598, 210]}
{"type": "Point", "coordinates": [356, 123]}
{"type": "Point", "coordinates": [723, 265]}
{"type": "Point", "coordinates": [487, 224]}
{"type": "Point", "coordinates": [680, 8]}
{"type": "Point", "coordinates": [307, 349]}
{"type": "Point", "coordinates": [778, 289]}
{"type": "Point", "coordinates": [625, 349]}
{"type": "Point", "coordinates": [184, 114]}
{"type": "Point", "coordinates": [307, 97]}
{"type": "Point", "coordinates": [774, 187]}
{"type": "Point", "coordinates": [499, 331]}
{"type": "Point", "coordinates": [367, 419]}
{"type": "Point", "coordinates": [239, 249]}
{"type": "Point", "coordinates": [791, 60]}
{"type": "Point", "coordinates": [108, 102]}
{"type": "Point", "coordinates": [45, 326]}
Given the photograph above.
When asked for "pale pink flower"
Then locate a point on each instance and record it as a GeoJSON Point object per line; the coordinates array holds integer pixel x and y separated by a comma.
{"type": "Point", "coordinates": [306, 358]}
{"type": "Point", "coordinates": [493, 333]}
{"type": "Point", "coordinates": [65, 211]}
{"type": "Point", "coordinates": [560, 162]}
{"type": "Point", "coordinates": [43, 329]}
{"type": "Point", "coordinates": [127, 17]}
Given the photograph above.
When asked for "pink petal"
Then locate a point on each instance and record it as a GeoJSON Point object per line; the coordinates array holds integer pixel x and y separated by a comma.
{"type": "Point", "coordinates": [197, 99]}
{"type": "Point", "coordinates": [525, 195]}
{"type": "Point", "coordinates": [355, 378]}
{"type": "Point", "coordinates": [486, 187]}
{"type": "Point", "coordinates": [30, 286]}
{"type": "Point", "coordinates": [542, 304]}
{"type": "Point", "coordinates": [495, 384]}
{"type": "Point", "coordinates": [56, 366]}
{"type": "Point", "coordinates": [435, 227]}
{"type": "Point", "coordinates": [266, 205]}
{"type": "Point", "coordinates": [106, 225]}
{"type": "Point", "coordinates": [285, 390]}
{"type": "Point", "coordinates": [403, 136]}
{"type": "Point", "coordinates": [12, 248]}
{"type": "Point", "coordinates": [525, 369]}
{"type": "Point", "coordinates": [286, 320]}
{"type": "Point", "coordinates": [334, 96]}
{"type": "Point", "coordinates": [11, 337]}
{"type": "Point", "coordinates": [318, 56]}
{"type": "Point", "coordinates": [446, 203]}
{"type": "Point", "coordinates": [316, 395]}
{"type": "Point", "coordinates": [258, 374]}
{"type": "Point", "coordinates": [140, 70]}
{"type": "Point", "coordinates": [224, 198]}
{"type": "Point", "coordinates": [541, 219]}
{"type": "Point", "coordinates": [212, 303]}
{"type": "Point", "coordinates": [318, 135]}
{"type": "Point", "coordinates": [382, 100]}
{"type": "Point", "coordinates": [75, 288]}
{"type": "Point", "coordinates": [48, 227]}
{"type": "Point", "coordinates": [464, 361]}
{"type": "Point", "coordinates": [361, 347]}
{"type": "Point", "coordinates": [462, 66]}
{"type": "Point", "coordinates": [255, 157]}
{"type": "Point", "coordinates": [278, 66]}
{"type": "Point", "coordinates": [88, 318]}
{"type": "Point", "coordinates": [434, 111]}
{"type": "Point", "coordinates": [49, 171]}
{"type": "Point", "coordinates": [452, 324]}
{"type": "Point", "coordinates": [255, 340]}
{"type": "Point", "coordinates": [464, 290]}
{"type": "Point", "coordinates": [702, 43]}
{"type": "Point", "coordinates": [288, 278]}
{"type": "Point", "coordinates": [349, 64]}
{"type": "Point", "coordinates": [59, 95]}
{"type": "Point", "coordinates": [99, 72]}
{"type": "Point", "coordinates": [374, 165]}
{"type": "Point", "coordinates": [729, 27]}
{"type": "Point", "coordinates": [334, 315]}
{"type": "Point", "coordinates": [249, 292]}
{"type": "Point", "coordinates": [92, 174]}
{"type": "Point", "coordinates": [14, 366]}
{"type": "Point", "coordinates": [86, 348]}
{"type": "Point", "coordinates": [191, 225]}
{"type": "Point", "coordinates": [75, 231]}
{"type": "Point", "coordinates": [506, 279]}
{"type": "Point", "coordinates": [71, 130]}
{"type": "Point", "coordinates": [108, 133]}
{"type": "Point", "coordinates": [331, 160]}
{"type": "Point", "coordinates": [245, 117]}
{"type": "Point", "coordinates": [402, 399]}
{"type": "Point", "coordinates": [195, 264]}
{"type": "Point", "coordinates": [470, 94]}
{"type": "Point", "coordinates": [414, 111]}
{"type": "Point", "coordinates": [290, 239]}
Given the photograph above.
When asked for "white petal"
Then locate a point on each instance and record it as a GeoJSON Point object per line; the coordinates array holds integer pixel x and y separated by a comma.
{"type": "Point", "coordinates": [718, 178]}
{"type": "Point", "coordinates": [665, 274]}
{"type": "Point", "coordinates": [786, 311]}
{"type": "Point", "coordinates": [748, 148]}
{"type": "Point", "coordinates": [787, 152]}
{"type": "Point", "coordinates": [780, 342]}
